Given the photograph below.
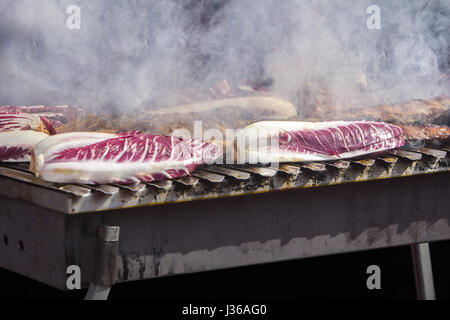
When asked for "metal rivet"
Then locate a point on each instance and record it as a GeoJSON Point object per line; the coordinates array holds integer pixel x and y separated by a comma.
{"type": "Point", "coordinates": [5, 240]}
{"type": "Point", "coordinates": [21, 246]}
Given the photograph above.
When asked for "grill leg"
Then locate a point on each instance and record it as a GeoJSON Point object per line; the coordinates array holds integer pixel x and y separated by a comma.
{"type": "Point", "coordinates": [423, 272]}
{"type": "Point", "coordinates": [105, 264]}
{"type": "Point", "coordinates": [96, 292]}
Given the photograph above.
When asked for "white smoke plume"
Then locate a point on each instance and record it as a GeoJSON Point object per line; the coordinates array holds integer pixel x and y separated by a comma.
{"type": "Point", "coordinates": [136, 53]}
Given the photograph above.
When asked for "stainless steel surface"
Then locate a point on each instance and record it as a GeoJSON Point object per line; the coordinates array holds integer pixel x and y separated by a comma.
{"type": "Point", "coordinates": [423, 271]}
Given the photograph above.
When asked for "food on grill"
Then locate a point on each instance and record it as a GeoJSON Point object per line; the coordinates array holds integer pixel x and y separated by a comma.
{"type": "Point", "coordinates": [65, 141]}
{"type": "Point", "coordinates": [16, 146]}
{"type": "Point", "coordinates": [219, 114]}
{"type": "Point", "coordinates": [24, 121]}
{"type": "Point", "coordinates": [95, 158]}
{"type": "Point", "coordinates": [72, 139]}
{"type": "Point", "coordinates": [416, 111]}
{"type": "Point", "coordinates": [19, 132]}
{"type": "Point", "coordinates": [419, 119]}
{"type": "Point", "coordinates": [58, 115]}
{"type": "Point", "coordinates": [269, 107]}
{"type": "Point", "coordinates": [316, 141]}
{"type": "Point", "coordinates": [429, 132]}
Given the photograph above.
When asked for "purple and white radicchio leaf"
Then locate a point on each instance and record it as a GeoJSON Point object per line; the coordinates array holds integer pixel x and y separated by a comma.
{"type": "Point", "coordinates": [16, 146]}
{"type": "Point", "coordinates": [95, 158]}
{"type": "Point", "coordinates": [319, 141]}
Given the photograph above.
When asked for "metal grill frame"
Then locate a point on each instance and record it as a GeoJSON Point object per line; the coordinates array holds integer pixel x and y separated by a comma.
{"type": "Point", "coordinates": [374, 211]}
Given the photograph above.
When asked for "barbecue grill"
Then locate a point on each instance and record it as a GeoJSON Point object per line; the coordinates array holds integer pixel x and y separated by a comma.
{"type": "Point", "coordinates": [160, 69]}
{"type": "Point", "coordinates": [223, 216]}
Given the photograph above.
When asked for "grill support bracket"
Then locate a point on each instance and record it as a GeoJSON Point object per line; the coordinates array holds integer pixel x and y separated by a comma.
{"type": "Point", "coordinates": [105, 268]}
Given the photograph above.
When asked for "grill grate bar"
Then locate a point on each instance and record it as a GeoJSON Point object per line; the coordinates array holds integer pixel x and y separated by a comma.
{"type": "Point", "coordinates": [133, 187]}
{"type": "Point", "coordinates": [407, 155]}
{"type": "Point", "coordinates": [445, 148]}
{"type": "Point", "coordinates": [287, 169]}
{"type": "Point", "coordinates": [341, 164]}
{"type": "Point", "coordinates": [160, 185]}
{"type": "Point", "coordinates": [442, 148]}
{"type": "Point", "coordinates": [265, 172]}
{"type": "Point", "coordinates": [435, 153]}
{"type": "Point", "coordinates": [312, 166]}
{"type": "Point", "coordinates": [364, 162]}
{"type": "Point", "coordinates": [208, 176]}
{"type": "Point", "coordinates": [387, 159]}
{"type": "Point", "coordinates": [188, 181]}
{"type": "Point", "coordinates": [76, 190]}
{"type": "Point", "coordinates": [238, 175]}
{"type": "Point", "coordinates": [105, 189]}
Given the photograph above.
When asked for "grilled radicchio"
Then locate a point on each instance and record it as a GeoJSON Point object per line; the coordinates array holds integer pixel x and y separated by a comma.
{"type": "Point", "coordinates": [19, 132]}
{"type": "Point", "coordinates": [95, 158]}
{"type": "Point", "coordinates": [58, 115]}
{"type": "Point", "coordinates": [16, 146]}
{"type": "Point", "coordinates": [24, 121]}
{"type": "Point", "coordinates": [316, 141]}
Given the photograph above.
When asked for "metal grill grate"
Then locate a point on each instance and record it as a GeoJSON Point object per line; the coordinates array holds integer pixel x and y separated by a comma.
{"type": "Point", "coordinates": [218, 181]}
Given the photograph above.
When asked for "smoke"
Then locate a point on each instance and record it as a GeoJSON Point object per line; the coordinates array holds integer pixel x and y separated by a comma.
{"type": "Point", "coordinates": [136, 53]}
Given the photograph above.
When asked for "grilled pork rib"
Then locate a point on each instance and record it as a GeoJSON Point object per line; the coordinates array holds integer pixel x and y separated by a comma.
{"type": "Point", "coordinates": [16, 146]}
{"type": "Point", "coordinates": [415, 111]}
{"type": "Point", "coordinates": [425, 120]}
{"type": "Point", "coordinates": [318, 141]}
{"type": "Point", "coordinates": [94, 158]}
